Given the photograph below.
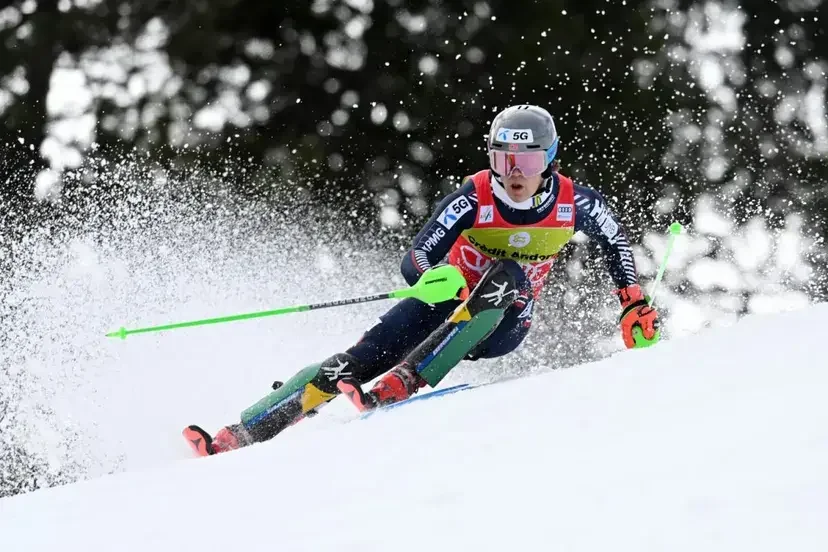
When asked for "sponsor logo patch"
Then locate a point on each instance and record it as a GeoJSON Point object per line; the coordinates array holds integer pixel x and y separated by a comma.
{"type": "Point", "coordinates": [433, 239]}
{"type": "Point", "coordinates": [520, 239]}
{"type": "Point", "coordinates": [609, 228]}
{"type": "Point", "coordinates": [453, 212]}
{"type": "Point", "coordinates": [564, 212]}
{"type": "Point", "coordinates": [486, 214]}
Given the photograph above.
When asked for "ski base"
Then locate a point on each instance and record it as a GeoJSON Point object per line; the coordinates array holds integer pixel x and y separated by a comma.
{"type": "Point", "coordinates": [199, 440]}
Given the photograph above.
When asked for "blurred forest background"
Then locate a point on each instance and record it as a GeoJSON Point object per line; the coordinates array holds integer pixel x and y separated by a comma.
{"type": "Point", "coordinates": [381, 106]}
{"type": "Point", "coordinates": [712, 113]}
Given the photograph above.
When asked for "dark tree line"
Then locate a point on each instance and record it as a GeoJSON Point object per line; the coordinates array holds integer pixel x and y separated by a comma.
{"type": "Point", "coordinates": [347, 96]}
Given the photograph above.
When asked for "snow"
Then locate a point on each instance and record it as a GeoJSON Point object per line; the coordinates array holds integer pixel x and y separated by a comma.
{"type": "Point", "coordinates": [716, 441]}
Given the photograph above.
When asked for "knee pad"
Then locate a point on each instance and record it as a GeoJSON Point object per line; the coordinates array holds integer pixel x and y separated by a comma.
{"type": "Point", "coordinates": [515, 270]}
{"type": "Point", "coordinates": [336, 367]}
{"type": "Point", "coordinates": [499, 286]}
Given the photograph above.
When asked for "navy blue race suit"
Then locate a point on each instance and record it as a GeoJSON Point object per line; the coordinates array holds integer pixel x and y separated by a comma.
{"type": "Point", "coordinates": [411, 321]}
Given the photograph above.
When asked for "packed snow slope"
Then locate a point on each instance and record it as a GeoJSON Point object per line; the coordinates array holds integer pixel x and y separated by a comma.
{"type": "Point", "coordinates": [712, 442]}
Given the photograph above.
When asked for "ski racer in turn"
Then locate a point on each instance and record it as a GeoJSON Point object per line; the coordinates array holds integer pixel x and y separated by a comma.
{"type": "Point", "coordinates": [502, 229]}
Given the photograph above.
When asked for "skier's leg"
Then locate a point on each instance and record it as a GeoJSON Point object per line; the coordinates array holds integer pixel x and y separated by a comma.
{"type": "Point", "coordinates": [470, 324]}
{"type": "Point", "coordinates": [398, 331]}
{"type": "Point", "coordinates": [509, 334]}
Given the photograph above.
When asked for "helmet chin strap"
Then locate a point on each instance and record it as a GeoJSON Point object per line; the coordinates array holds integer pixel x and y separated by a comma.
{"type": "Point", "coordinates": [499, 191]}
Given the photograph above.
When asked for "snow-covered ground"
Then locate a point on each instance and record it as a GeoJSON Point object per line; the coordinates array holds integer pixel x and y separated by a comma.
{"type": "Point", "coordinates": [713, 442]}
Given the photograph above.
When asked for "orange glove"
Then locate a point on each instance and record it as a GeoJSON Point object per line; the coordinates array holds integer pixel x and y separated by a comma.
{"type": "Point", "coordinates": [639, 321]}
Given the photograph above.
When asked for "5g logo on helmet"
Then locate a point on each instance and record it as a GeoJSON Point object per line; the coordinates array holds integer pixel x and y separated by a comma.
{"type": "Point", "coordinates": [515, 135]}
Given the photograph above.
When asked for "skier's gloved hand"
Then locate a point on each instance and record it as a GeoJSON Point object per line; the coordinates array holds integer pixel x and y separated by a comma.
{"type": "Point", "coordinates": [462, 293]}
{"type": "Point", "coordinates": [639, 321]}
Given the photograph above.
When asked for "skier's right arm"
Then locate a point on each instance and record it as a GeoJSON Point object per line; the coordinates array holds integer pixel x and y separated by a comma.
{"type": "Point", "coordinates": [454, 214]}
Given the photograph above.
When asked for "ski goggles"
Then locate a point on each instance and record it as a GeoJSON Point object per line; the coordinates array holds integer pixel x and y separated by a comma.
{"type": "Point", "coordinates": [530, 163]}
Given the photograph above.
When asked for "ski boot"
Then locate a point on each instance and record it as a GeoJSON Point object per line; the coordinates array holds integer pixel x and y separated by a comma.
{"type": "Point", "coordinates": [228, 438]}
{"type": "Point", "coordinates": [395, 386]}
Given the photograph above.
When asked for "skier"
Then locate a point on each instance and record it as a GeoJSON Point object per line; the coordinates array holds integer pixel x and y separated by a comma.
{"type": "Point", "coordinates": [502, 229]}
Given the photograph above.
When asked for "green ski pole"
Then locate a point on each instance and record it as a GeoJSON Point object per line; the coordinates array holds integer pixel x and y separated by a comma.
{"type": "Point", "coordinates": [436, 285]}
{"type": "Point", "coordinates": [675, 230]}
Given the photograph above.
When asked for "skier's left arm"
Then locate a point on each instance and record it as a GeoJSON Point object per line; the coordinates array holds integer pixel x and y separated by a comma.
{"type": "Point", "coordinates": [594, 218]}
{"type": "Point", "coordinates": [454, 214]}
